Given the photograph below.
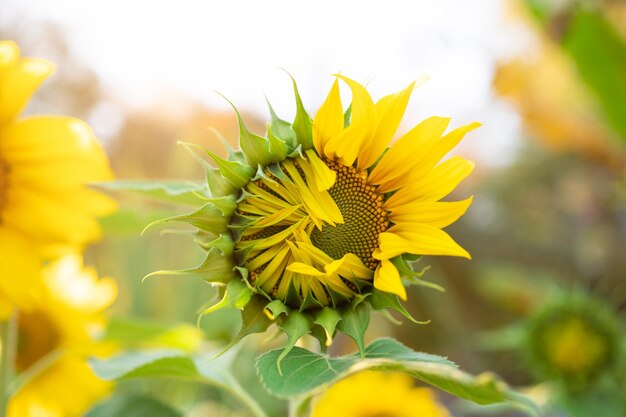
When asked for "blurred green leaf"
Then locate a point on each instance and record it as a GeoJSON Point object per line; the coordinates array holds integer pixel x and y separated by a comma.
{"type": "Point", "coordinates": [308, 373]}
{"type": "Point", "coordinates": [183, 192]}
{"type": "Point", "coordinates": [132, 405]}
{"type": "Point", "coordinates": [600, 55]}
{"type": "Point", "coordinates": [170, 363]}
{"type": "Point", "coordinates": [131, 221]}
{"type": "Point", "coordinates": [134, 331]}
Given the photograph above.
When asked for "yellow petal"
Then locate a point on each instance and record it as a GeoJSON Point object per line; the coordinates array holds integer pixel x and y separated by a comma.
{"type": "Point", "coordinates": [348, 143]}
{"type": "Point", "coordinates": [328, 121]}
{"type": "Point", "coordinates": [324, 176]}
{"type": "Point", "coordinates": [409, 151]}
{"type": "Point", "coordinates": [436, 214]}
{"type": "Point", "coordinates": [48, 139]}
{"type": "Point", "coordinates": [439, 182]}
{"type": "Point", "coordinates": [302, 268]}
{"type": "Point", "coordinates": [20, 282]}
{"type": "Point", "coordinates": [418, 239]}
{"type": "Point", "coordinates": [387, 279]}
{"type": "Point", "coordinates": [19, 80]}
{"type": "Point", "coordinates": [51, 218]}
{"type": "Point", "coordinates": [389, 111]}
{"type": "Point", "coordinates": [349, 266]}
{"type": "Point", "coordinates": [362, 103]}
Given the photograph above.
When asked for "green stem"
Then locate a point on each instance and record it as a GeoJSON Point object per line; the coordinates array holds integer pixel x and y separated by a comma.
{"type": "Point", "coordinates": [237, 391]}
{"type": "Point", "coordinates": [8, 345]}
{"type": "Point", "coordinates": [299, 406]}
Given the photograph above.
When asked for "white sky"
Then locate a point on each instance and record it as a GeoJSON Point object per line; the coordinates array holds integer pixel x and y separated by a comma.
{"type": "Point", "coordinates": [141, 48]}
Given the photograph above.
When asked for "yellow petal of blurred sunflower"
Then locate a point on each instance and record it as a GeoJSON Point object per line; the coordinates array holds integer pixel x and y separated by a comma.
{"type": "Point", "coordinates": [45, 162]}
{"type": "Point", "coordinates": [376, 394]}
{"type": "Point", "coordinates": [62, 327]}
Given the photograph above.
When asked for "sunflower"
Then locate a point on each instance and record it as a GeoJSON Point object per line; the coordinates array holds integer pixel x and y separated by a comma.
{"type": "Point", "coordinates": [45, 161]}
{"type": "Point", "coordinates": [59, 332]}
{"type": "Point", "coordinates": [575, 339]}
{"type": "Point", "coordinates": [320, 214]}
{"type": "Point", "coordinates": [377, 394]}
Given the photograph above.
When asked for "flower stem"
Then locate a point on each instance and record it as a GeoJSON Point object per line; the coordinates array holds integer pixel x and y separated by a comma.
{"type": "Point", "coordinates": [8, 344]}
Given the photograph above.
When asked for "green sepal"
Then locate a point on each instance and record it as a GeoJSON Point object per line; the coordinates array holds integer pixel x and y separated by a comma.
{"type": "Point", "coordinates": [302, 124]}
{"type": "Point", "coordinates": [295, 325]}
{"type": "Point", "coordinates": [278, 148]}
{"type": "Point", "coordinates": [293, 296]}
{"type": "Point", "coordinates": [410, 277]}
{"type": "Point", "coordinates": [255, 148]}
{"type": "Point", "coordinates": [237, 295]}
{"type": "Point", "coordinates": [275, 308]}
{"type": "Point", "coordinates": [347, 115]}
{"type": "Point", "coordinates": [226, 204]}
{"type": "Point", "coordinates": [354, 323]}
{"type": "Point", "coordinates": [218, 184]}
{"type": "Point", "coordinates": [224, 243]}
{"type": "Point", "coordinates": [253, 320]}
{"type": "Point", "coordinates": [309, 302]}
{"type": "Point", "coordinates": [216, 269]}
{"type": "Point", "coordinates": [381, 300]}
{"type": "Point", "coordinates": [336, 298]}
{"type": "Point", "coordinates": [318, 333]}
{"type": "Point", "coordinates": [237, 173]}
{"type": "Point", "coordinates": [327, 318]}
{"type": "Point", "coordinates": [208, 218]}
{"type": "Point", "coordinates": [277, 172]}
{"type": "Point", "coordinates": [233, 154]}
{"type": "Point", "coordinates": [282, 130]}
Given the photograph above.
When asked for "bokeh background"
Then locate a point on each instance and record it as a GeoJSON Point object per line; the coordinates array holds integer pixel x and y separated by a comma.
{"type": "Point", "coordinates": [546, 78]}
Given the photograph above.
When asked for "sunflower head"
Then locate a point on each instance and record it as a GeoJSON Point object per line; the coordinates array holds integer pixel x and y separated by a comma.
{"type": "Point", "coordinates": [59, 332]}
{"type": "Point", "coordinates": [316, 222]}
{"type": "Point", "coordinates": [46, 162]}
{"type": "Point", "coordinates": [575, 340]}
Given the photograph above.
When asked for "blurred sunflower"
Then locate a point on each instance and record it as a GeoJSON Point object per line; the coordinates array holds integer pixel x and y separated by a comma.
{"type": "Point", "coordinates": [377, 394]}
{"type": "Point", "coordinates": [45, 161]}
{"type": "Point", "coordinates": [575, 340]}
{"type": "Point", "coordinates": [56, 337]}
{"type": "Point", "coordinates": [318, 214]}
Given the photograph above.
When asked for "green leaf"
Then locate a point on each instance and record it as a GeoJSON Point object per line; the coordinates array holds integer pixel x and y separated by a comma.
{"type": "Point", "coordinates": [217, 183]}
{"type": "Point", "coordinates": [354, 323]}
{"type": "Point", "coordinates": [183, 192]}
{"type": "Point", "coordinates": [133, 405]}
{"type": "Point", "coordinates": [306, 373]}
{"type": "Point", "coordinates": [381, 300]}
{"type": "Point", "coordinates": [175, 364]}
{"type": "Point", "coordinates": [302, 124]}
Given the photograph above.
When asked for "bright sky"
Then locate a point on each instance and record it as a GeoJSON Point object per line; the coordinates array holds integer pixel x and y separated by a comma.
{"type": "Point", "coordinates": [141, 48]}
